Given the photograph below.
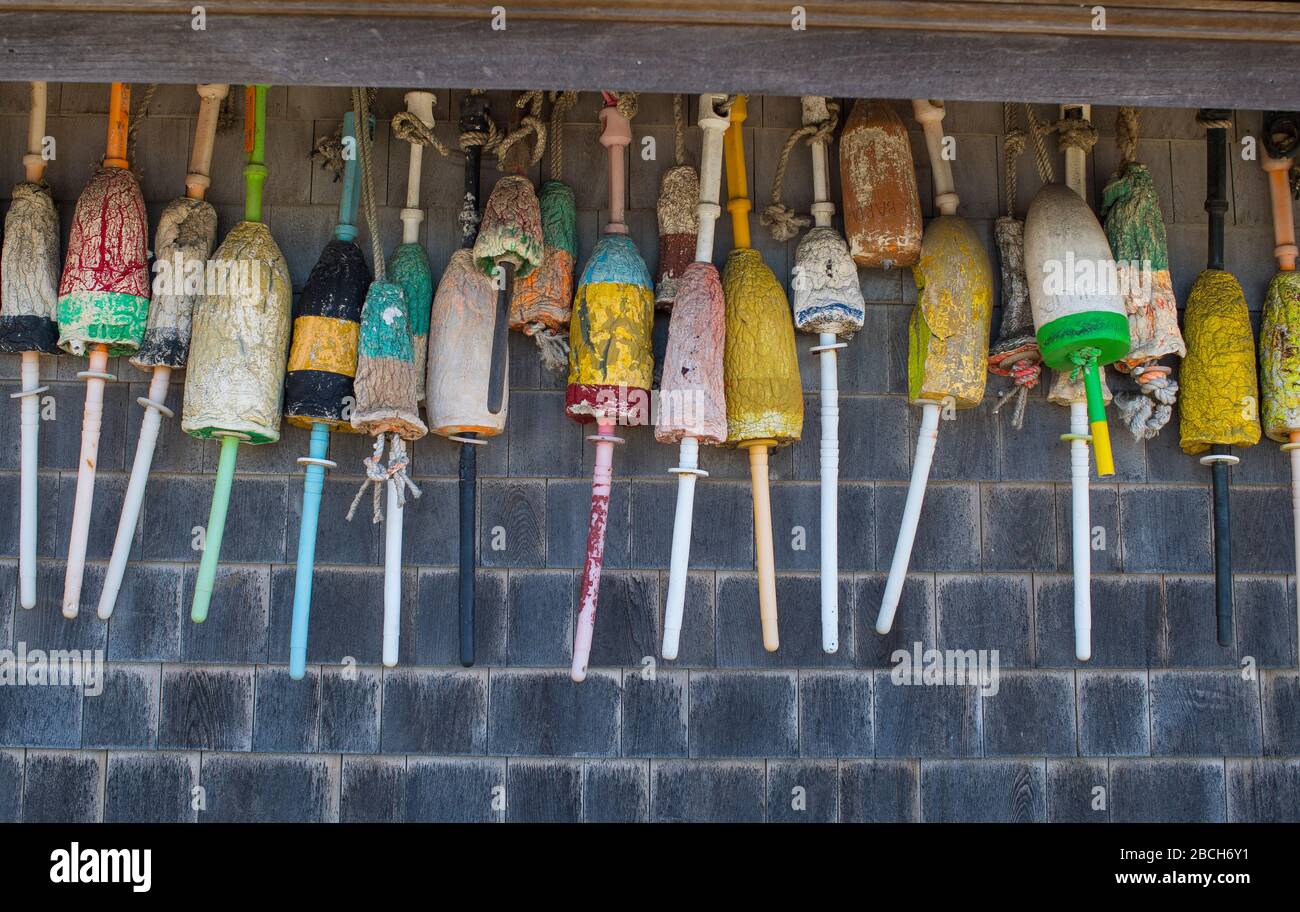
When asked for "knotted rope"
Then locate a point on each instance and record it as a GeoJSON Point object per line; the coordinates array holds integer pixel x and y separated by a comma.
{"type": "Point", "coordinates": [530, 124]}
{"type": "Point", "coordinates": [398, 461]}
{"type": "Point", "coordinates": [1025, 375]}
{"type": "Point", "coordinates": [488, 140]}
{"type": "Point", "coordinates": [626, 102]}
{"type": "Point", "coordinates": [1081, 358]}
{"type": "Point", "coordinates": [561, 104]}
{"type": "Point", "coordinates": [1146, 413]}
{"type": "Point", "coordinates": [410, 128]}
{"type": "Point", "coordinates": [329, 152]}
{"type": "Point", "coordinates": [779, 218]}
{"type": "Point", "coordinates": [378, 475]}
{"type": "Point", "coordinates": [1126, 136]}
{"type": "Point", "coordinates": [1075, 133]}
{"type": "Point", "coordinates": [1013, 144]}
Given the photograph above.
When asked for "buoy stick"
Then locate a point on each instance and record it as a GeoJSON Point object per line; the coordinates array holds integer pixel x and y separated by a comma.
{"type": "Point", "coordinates": [134, 500]}
{"type": "Point", "coordinates": [196, 184]}
{"type": "Point", "coordinates": [34, 164]}
{"type": "Point", "coordinates": [1080, 531]}
{"type": "Point", "coordinates": [688, 469]}
{"type": "Point", "coordinates": [926, 441]}
{"type": "Point", "coordinates": [216, 526]}
{"type": "Point", "coordinates": [826, 348]}
{"type": "Point", "coordinates": [392, 574]}
{"type": "Point", "coordinates": [764, 556]}
{"type": "Point", "coordinates": [468, 547]}
{"type": "Point", "coordinates": [92, 419]}
{"type": "Point", "coordinates": [313, 485]}
{"type": "Point", "coordinates": [118, 112]}
{"type": "Point", "coordinates": [602, 475]}
{"type": "Point", "coordinates": [688, 466]}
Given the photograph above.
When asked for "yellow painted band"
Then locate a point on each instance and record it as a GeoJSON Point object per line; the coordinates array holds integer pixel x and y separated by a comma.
{"type": "Point", "coordinates": [1101, 447]}
{"type": "Point", "coordinates": [324, 344]}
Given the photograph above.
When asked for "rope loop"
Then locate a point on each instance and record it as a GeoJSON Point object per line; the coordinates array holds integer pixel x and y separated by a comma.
{"type": "Point", "coordinates": [378, 474]}
{"type": "Point", "coordinates": [410, 128]}
{"type": "Point", "coordinates": [530, 124]}
{"type": "Point", "coordinates": [779, 218]}
{"type": "Point", "coordinates": [561, 104]}
{"type": "Point", "coordinates": [1126, 136]}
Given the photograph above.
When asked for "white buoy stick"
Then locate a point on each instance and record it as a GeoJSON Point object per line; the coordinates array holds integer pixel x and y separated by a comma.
{"type": "Point", "coordinates": [31, 427]}
{"type": "Point", "coordinates": [34, 163]}
{"type": "Point", "coordinates": [688, 469]}
{"type": "Point", "coordinates": [1080, 530]}
{"type": "Point", "coordinates": [95, 376]}
{"type": "Point", "coordinates": [925, 444]}
{"type": "Point", "coordinates": [154, 410]}
{"type": "Point", "coordinates": [826, 350]}
{"type": "Point", "coordinates": [392, 574]}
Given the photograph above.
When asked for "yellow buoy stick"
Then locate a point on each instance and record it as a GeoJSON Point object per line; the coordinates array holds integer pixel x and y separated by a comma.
{"type": "Point", "coordinates": [763, 393]}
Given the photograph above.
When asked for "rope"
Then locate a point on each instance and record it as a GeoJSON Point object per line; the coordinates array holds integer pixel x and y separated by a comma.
{"type": "Point", "coordinates": [489, 140]}
{"type": "Point", "coordinates": [626, 102]}
{"type": "Point", "coordinates": [1037, 131]}
{"type": "Point", "coordinates": [1213, 123]}
{"type": "Point", "coordinates": [1081, 358]}
{"type": "Point", "coordinates": [378, 474]}
{"type": "Point", "coordinates": [552, 347]}
{"type": "Point", "coordinates": [679, 131]}
{"type": "Point", "coordinates": [1145, 413]}
{"type": "Point", "coordinates": [226, 112]}
{"type": "Point", "coordinates": [530, 123]}
{"type": "Point", "coordinates": [1075, 133]}
{"type": "Point", "coordinates": [1012, 145]}
{"type": "Point", "coordinates": [1126, 136]}
{"type": "Point", "coordinates": [133, 129]}
{"type": "Point", "coordinates": [779, 218]}
{"type": "Point", "coordinates": [1025, 373]}
{"type": "Point", "coordinates": [561, 104]}
{"type": "Point", "coordinates": [329, 152]}
{"type": "Point", "coordinates": [361, 108]}
{"type": "Point", "coordinates": [410, 128]}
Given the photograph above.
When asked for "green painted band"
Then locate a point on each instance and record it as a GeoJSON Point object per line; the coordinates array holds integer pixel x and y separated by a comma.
{"type": "Point", "coordinates": [1100, 329]}
{"type": "Point", "coordinates": [111, 318]}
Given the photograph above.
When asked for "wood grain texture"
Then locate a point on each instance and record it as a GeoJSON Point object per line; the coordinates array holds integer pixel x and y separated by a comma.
{"type": "Point", "coordinates": [1121, 66]}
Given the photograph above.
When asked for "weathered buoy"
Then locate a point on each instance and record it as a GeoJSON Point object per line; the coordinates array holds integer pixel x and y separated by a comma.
{"type": "Point", "coordinates": [187, 232]}
{"type": "Point", "coordinates": [610, 362]}
{"type": "Point", "coordinates": [1219, 408]}
{"type": "Point", "coordinates": [319, 389]}
{"type": "Point", "coordinates": [882, 209]}
{"type": "Point", "coordinates": [543, 299]}
{"type": "Point", "coordinates": [679, 192]}
{"type": "Point", "coordinates": [234, 381]}
{"type": "Point", "coordinates": [103, 306]}
{"type": "Point", "coordinates": [459, 363]}
{"type": "Point", "coordinates": [1072, 284]}
{"type": "Point", "coordinates": [827, 302]}
{"type": "Point", "coordinates": [29, 285]}
{"type": "Point", "coordinates": [764, 396]}
{"type": "Point", "coordinates": [692, 407]}
{"type": "Point", "coordinates": [1130, 211]}
{"type": "Point", "coordinates": [388, 402]}
{"type": "Point", "coordinates": [948, 338]}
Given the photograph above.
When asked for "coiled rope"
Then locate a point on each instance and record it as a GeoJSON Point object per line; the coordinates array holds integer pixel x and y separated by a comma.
{"type": "Point", "coordinates": [530, 124]}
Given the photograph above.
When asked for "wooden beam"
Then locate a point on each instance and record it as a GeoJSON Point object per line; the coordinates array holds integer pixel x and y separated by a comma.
{"type": "Point", "coordinates": [1272, 21]}
{"type": "Point", "coordinates": [292, 48]}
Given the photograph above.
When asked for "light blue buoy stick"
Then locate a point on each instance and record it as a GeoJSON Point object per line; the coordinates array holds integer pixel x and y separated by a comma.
{"type": "Point", "coordinates": [316, 464]}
